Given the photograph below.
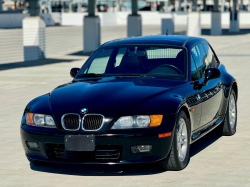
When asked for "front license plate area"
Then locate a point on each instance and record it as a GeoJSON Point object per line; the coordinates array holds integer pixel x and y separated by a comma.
{"type": "Point", "coordinates": [79, 142]}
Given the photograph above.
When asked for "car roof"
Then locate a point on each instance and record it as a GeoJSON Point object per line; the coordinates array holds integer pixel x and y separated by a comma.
{"type": "Point", "coordinates": [156, 39]}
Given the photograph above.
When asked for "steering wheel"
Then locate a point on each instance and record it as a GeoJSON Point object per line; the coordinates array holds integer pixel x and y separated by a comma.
{"type": "Point", "coordinates": [172, 67]}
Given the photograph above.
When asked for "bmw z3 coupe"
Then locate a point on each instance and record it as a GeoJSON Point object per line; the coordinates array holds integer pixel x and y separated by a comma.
{"type": "Point", "coordinates": [135, 100]}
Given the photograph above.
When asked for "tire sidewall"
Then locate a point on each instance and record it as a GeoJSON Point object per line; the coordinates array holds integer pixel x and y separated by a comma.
{"type": "Point", "coordinates": [232, 130]}
{"type": "Point", "coordinates": [183, 163]}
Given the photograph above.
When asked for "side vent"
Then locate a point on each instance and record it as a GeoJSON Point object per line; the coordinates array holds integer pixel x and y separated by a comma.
{"type": "Point", "coordinates": [192, 100]}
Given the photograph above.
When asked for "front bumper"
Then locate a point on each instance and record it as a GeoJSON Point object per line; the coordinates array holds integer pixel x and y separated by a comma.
{"type": "Point", "coordinates": [110, 148]}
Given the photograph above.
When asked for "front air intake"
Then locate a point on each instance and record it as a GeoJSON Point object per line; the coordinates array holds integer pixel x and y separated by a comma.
{"type": "Point", "coordinates": [71, 122]}
{"type": "Point", "coordinates": [92, 122]}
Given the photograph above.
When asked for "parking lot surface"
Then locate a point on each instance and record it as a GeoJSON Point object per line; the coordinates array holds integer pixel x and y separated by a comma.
{"type": "Point", "coordinates": [215, 160]}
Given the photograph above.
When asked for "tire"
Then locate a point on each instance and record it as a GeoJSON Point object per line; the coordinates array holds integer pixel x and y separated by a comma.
{"type": "Point", "coordinates": [174, 162]}
{"type": "Point", "coordinates": [230, 122]}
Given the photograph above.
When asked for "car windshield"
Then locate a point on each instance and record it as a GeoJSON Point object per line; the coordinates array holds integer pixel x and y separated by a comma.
{"type": "Point", "coordinates": [148, 61]}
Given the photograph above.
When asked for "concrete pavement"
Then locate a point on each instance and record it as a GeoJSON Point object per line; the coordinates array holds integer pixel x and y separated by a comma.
{"type": "Point", "coordinates": [215, 161]}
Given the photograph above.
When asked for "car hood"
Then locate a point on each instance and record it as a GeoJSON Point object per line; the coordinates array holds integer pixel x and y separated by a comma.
{"type": "Point", "coordinates": [106, 96]}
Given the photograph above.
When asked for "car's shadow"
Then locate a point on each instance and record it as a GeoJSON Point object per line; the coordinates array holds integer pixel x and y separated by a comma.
{"type": "Point", "coordinates": [226, 32]}
{"type": "Point", "coordinates": [204, 142]}
{"type": "Point", "coordinates": [120, 170]}
{"type": "Point", "coordinates": [34, 63]}
{"type": "Point", "coordinates": [99, 170]}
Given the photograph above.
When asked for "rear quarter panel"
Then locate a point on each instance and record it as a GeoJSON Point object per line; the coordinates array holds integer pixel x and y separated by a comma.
{"type": "Point", "coordinates": [227, 83]}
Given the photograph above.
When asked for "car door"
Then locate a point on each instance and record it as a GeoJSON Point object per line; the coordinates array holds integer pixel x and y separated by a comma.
{"type": "Point", "coordinates": [211, 94]}
{"type": "Point", "coordinates": [193, 98]}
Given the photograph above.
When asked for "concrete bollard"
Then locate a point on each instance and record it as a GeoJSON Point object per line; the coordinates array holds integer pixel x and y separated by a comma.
{"type": "Point", "coordinates": [167, 26]}
{"type": "Point", "coordinates": [91, 33]}
{"type": "Point", "coordinates": [33, 38]}
{"type": "Point", "coordinates": [234, 22]}
{"type": "Point", "coordinates": [216, 23]}
{"type": "Point", "coordinates": [1, 7]}
{"type": "Point", "coordinates": [194, 24]}
{"type": "Point", "coordinates": [134, 25]}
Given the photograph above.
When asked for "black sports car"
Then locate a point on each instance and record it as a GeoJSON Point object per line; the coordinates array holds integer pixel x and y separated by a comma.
{"type": "Point", "coordinates": [135, 100]}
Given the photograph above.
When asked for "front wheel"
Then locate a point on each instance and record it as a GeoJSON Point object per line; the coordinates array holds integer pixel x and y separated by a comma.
{"type": "Point", "coordinates": [179, 154]}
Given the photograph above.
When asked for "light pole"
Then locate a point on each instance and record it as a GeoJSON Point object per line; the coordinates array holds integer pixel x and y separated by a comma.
{"type": "Point", "coordinates": [34, 8]}
{"type": "Point", "coordinates": [216, 20]}
{"type": "Point", "coordinates": [134, 23]}
{"type": "Point", "coordinates": [234, 18]}
{"type": "Point", "coordinates": [180, 1]}
{"type": "Point", "coordinates": [120, 5]}
{"type": "Point", "coordinates": [185, 5]}
{"type": "Point", "coordinates": [0, 6]}
{"type": "Point", "coordinates": [34, 33]}
{"type": "Point", "coordinates": [91, 29]}
{"type": "Point", "coordinates": [194, 7]}
{"type": "Point", "coordinates": [222, 5]}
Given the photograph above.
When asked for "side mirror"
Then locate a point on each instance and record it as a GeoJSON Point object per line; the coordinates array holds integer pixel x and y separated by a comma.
{"type": "Point", "coordinates": [74, 71]}
{"type": "Point", "coordinates": [211, 73]}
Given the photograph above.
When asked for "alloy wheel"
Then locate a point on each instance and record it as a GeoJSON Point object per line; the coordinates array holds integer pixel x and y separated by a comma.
{"type": "Point", "coordinates": [232, 111]}
{"type": "Point", "coordinates": [182, 139]}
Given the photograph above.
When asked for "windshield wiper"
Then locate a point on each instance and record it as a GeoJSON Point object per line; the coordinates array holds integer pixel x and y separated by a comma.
{"type": "Point", "coordinates": [90, 75]}
{"type": "Point", "coordinates": [134, 75]}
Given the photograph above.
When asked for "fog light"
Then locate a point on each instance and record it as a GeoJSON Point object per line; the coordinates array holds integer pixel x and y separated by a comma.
{"type": "Point", "coordinates": [141, 148]}
{"type": "Point", "coordinates": [33, 146]}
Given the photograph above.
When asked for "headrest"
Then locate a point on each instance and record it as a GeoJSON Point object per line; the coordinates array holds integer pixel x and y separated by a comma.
{"type": "Point", "coordinates": [141, 53]}
{"type": "Point", "coordinates": [131, 53]}
{"type": "Point", "coordinates": [138, 53]}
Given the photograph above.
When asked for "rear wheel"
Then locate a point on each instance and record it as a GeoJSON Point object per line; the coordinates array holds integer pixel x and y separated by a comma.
{"type": "Point", "coordinates": [230, 121]}
{"type": "Point", "coordinates": [179, 154]}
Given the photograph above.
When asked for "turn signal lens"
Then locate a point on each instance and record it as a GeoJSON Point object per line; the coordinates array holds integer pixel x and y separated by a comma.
{"type": "Point", "coordinates": [164, 135]}
{"type": "Point", "coordinates": [155, 120]}
{"type": "Point", "coordinates": [29, 119]}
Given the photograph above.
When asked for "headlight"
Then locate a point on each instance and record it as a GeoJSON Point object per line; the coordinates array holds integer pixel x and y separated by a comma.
{"type": "Point", "coordinates": [124, 123]}
{"type": "Point", "coordinates": [143, 121]}
{"type": "Point", "coordinates": [131, 122]}
{"type": "Point", "coordinates": [40, 120]}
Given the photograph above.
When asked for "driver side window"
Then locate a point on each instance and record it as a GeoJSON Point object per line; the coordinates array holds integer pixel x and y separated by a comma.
{"type": "Point", "coordinates": [194, 73]}
{"type": "Point", "coordinates": [212, 62]}
{"type": "Point", "coordinates": [200, 59]}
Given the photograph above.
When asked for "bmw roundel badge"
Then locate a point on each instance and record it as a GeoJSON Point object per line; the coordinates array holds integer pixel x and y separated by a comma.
{"type": "Point", "coordinates": [84, 110]}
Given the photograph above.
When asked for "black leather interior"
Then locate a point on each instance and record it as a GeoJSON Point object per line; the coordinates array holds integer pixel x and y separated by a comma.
{"type": "Point", "coordinates": [131, 63]}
